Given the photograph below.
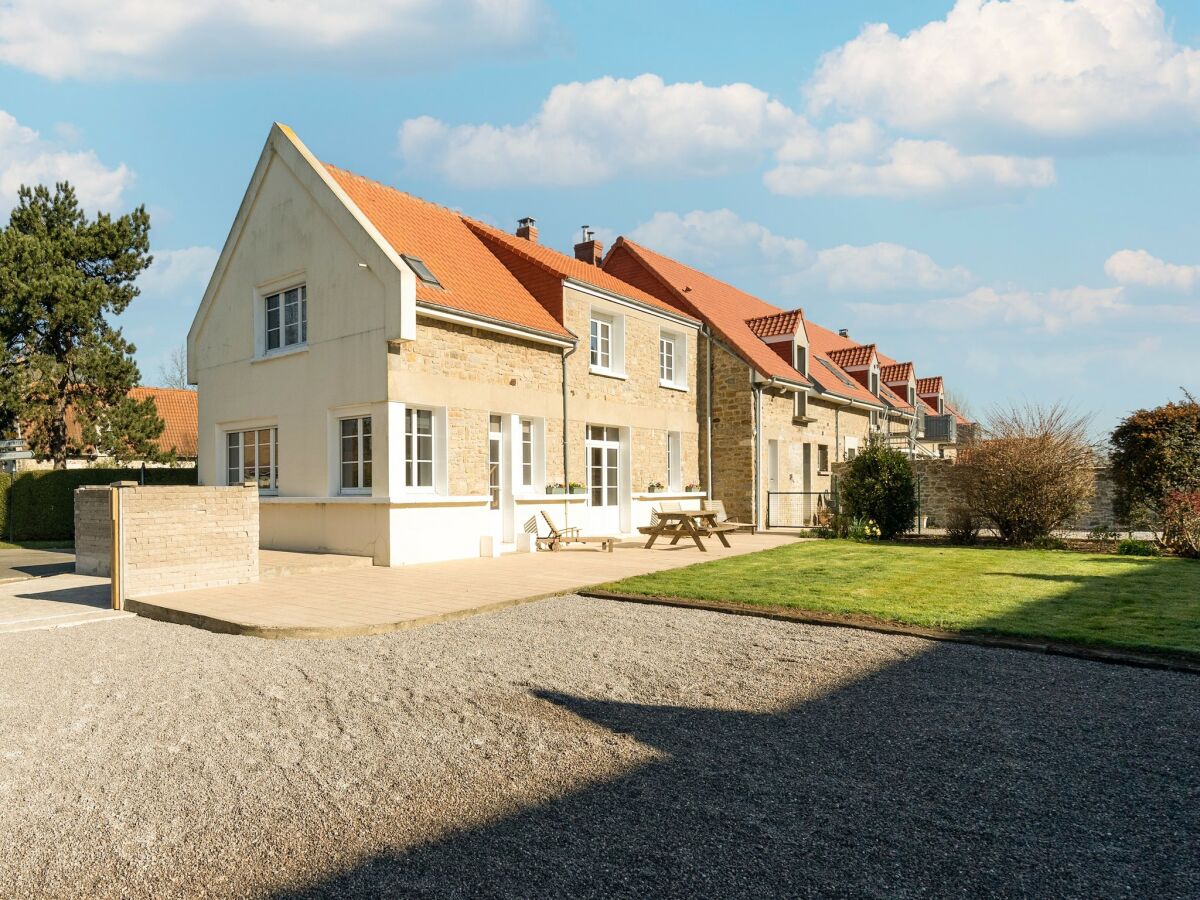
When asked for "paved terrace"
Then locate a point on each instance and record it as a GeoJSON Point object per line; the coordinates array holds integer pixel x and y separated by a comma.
{"type": "Point", "coordinates": [375, 600]}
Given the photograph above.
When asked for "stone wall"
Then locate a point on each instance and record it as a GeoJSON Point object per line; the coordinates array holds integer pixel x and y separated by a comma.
{"type": "Point", "coordinates": [732, 431]}
{"type": "Point", "coordinates": [172, 538]}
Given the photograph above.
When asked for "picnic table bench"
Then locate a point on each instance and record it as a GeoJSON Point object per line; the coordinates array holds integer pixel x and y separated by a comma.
{"type": "Point", "coordinates": [693, 523]}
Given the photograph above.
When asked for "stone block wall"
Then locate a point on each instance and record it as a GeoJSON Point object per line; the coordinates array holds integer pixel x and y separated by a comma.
{"type": "Point", "coordinates": [172, 538]}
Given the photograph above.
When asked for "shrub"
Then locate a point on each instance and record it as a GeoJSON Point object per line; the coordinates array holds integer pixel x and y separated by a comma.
{"type": "Point", "coordinates": [1154, 452]}
{"type": "Point", "coordinates": [42, 506]}
{"type": "Point", "coordinates": [1181, 522]}
{"type": "Point", "coordinates": [5, 486]}
{"type": "Point", "coordinates": [1048, 542]}
{"type": "Point", "coordinates": [962, 526]}
{"type": "Point", "coordinates": [1031, 475]}
{"type": "Point", "coordinates": [879, 487]}
{"type": "Point", "coordinates": [1132, 547]}
{"type": "Point", "coordinates": [863, 530]}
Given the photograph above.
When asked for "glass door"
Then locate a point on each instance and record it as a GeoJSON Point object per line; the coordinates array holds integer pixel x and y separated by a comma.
{"type": "Point", "coordinates": [603, 447]}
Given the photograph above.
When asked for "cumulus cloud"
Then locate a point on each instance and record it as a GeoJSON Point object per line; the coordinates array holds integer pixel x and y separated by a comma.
{"type": "Point", "coordinates": [722, 237]}
{"type": "Point", "coordinates": [1048, 68]}
{"type": "Point", "coordinates": [85, 39]}
{"type": "Point", "coordinates": [28, 158]}
{"type": "Point", "coordinates": [586, 132]}
{"type": "Point", "coordinates": [1139, 268]}
{"type": "Point", "coordinates": [909, 168]}
{"type": "Point", "coordinates": [178, 276]}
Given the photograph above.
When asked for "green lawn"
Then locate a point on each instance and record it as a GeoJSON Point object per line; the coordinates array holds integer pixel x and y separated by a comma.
{"type": "Point", "coordinates": [37, 545]}
{"type": "Point", "coordinates": [1119, 601]}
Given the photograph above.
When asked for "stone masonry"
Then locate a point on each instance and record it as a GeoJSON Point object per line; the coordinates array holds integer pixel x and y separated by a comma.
{"type": "Point", "coordinates": [173, 538]}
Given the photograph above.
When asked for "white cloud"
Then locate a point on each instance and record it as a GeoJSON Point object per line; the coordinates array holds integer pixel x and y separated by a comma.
{"type": "Point", "coordinates": [28, 158]}
{"type": "Point", "coordinates": [909, 168]}
{"type": "Point", "coordinates": [1139, 268]}
{"type": "Point", "coordinates": [882, 267]}
{"type": "Point", "coordinates": [722, 238]}
{"type": "Point", "coordinates": [708, 236]}
{"type": "Point", "coordinates": [86, 39]}
{"type": "Point", "coordinates": [178, 276]}
{"type": "Point", "coordinates": [588, 132]}
{"type": "Point", "coordinates": [1038, 67]}
{"type": "Point", "coordinates": [1051, 311]}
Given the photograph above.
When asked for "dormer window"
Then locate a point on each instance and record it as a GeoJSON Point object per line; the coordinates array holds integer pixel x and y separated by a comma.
{"type": "Point", "coordinates": [912, 396]}
{"type": "Point", "coordinates": [873, 379]}
{"type": "Point", "coordinates": [800, 359]}
{"type": "Point", "coordinates": [941, 406]}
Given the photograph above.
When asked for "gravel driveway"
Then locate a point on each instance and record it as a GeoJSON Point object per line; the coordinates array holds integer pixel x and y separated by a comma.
{"type": "Point", "coordinates": [586, 748]}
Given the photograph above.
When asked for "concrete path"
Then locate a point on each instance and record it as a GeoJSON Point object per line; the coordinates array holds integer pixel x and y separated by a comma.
{"type": "Point", "coordinates": [374, 600]}
{"type": "Point", "coordinates": [56, 601]}
{"type": "Point", "coordinates": [17, 565]}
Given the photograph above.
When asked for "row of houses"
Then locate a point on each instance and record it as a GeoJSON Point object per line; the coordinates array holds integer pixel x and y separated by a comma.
{"type": "Point", "coordinates": [406, 382]}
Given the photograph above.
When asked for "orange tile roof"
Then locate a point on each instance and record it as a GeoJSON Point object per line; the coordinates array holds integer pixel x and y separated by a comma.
{"type": "Point", "coordinates": [857, 355]}
{"type": "Point", "coordinates": [895, 373]}
{"type": "Point", "coordinates": [177, 409]}
{"type": "Point", "coordinates": [776, 325]}
{"type": "Point", "coordinates": [928, 386]}
{"type": "Point", "coordinates": [723, 306]}
{"type": "Point", "coordinates": [473, 280]}
{"type": "Point", "coordinates": [567, 266]}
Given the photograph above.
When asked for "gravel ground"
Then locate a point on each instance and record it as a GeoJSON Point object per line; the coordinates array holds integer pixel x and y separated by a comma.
{"type": "Point", "coordinates": [586, 748]}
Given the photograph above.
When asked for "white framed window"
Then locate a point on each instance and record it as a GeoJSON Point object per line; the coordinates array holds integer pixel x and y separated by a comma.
{"type": "Point", "coordinates": [941, 406]}
{"type": "Point", "coordinates": [851, 448]}
{"type": "Point", "coordinates": [801, 405]}
{"type": "Point", "coordinates": [528, 451]}
{"type": "Point", "coordinates": [418, 449]}
{"type": "Point", "coordinates": [912, 396]}
{"type": "Point", "coordinates": [603, 447]}
{"type": "Point", "coordinates": [822, 457]}
{"type": "Point", "coordinates": [253, 455]}
{"type": "Point", "coordinates": [800, 359]}
{"type": "Point", "coordinates": [601, 339]}
{"type": "Point", "coordinates": [285, 319]}
{"type": "Point", "coordinates": [354, 454]}
{"type": "Point", "coordinates": [672, 360]}
{"type": "Point", "coordinates": [874, 420]}
{"type": "Point", "coordinates": [495, 442]}
{"type": "Point", "coordinates": [874, 380]}
{"type": "Point", "coordinates": [674, 461]}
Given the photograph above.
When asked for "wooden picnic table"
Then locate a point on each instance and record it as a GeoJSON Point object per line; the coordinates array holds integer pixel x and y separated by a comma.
{"type": "Point", "coordinates": [693, 523]}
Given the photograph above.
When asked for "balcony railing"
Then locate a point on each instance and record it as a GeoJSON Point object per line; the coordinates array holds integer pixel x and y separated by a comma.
{"type": "Point", "coordinates": [942, 429]}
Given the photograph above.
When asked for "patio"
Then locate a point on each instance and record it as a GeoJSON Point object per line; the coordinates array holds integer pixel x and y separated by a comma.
{"type": "Point", "coordinates": [375, 600]}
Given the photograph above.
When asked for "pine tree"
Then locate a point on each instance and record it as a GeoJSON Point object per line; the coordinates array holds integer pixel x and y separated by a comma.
{"type": "Point", "coordinates": [61, 277]}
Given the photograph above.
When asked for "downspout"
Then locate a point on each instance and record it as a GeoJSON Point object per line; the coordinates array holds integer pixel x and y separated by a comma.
{"type": "Point", "coordinates": [708, 469]}
{"type": "Point", "coordinates": [566, 440]}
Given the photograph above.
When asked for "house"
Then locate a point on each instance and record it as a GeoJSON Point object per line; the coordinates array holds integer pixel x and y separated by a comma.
{"type": "Point", "coordinates": [783, 398]}
{"type": "Point", "coordinates": [176, 408]}
{"type": "Point", "coordinates": [407, 383]}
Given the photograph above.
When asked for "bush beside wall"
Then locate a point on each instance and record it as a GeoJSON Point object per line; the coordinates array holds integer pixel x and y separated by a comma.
{"type": "Point", "coordinates": [5, 484]}
{"type": "Point", "coordinates": [42, 504]}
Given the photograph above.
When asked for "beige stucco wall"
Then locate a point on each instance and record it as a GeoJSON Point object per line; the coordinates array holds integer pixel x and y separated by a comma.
{"type": "Point", "coordinates": [289, 238]}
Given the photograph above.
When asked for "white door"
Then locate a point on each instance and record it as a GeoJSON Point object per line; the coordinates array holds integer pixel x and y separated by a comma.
{"type": "Point", "coordinates": [603, 448]}
{"type": "Point", "coordinates": [496, 473]}
{"type": "Point", "coordinates": [772, 466]}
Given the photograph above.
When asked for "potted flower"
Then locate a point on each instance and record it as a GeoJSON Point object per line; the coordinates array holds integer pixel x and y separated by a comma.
{"type": "Point", "coordinates": [556, 488]}
{"type": "Point", "coordinates": [656, 487]}
{"type": "Point", "coordinates": [577, 488]}
{"type": "Point", "coordinates": [692, 488]}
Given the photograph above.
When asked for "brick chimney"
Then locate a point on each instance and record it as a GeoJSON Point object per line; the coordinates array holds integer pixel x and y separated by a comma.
{"type": "Point", "coordinates": [527, 229]}
{"type": "Point", "coordinates": [589, 250]}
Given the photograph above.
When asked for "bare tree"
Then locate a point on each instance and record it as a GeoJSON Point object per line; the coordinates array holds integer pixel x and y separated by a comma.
{"type": "Point", "coordinates": [1032, 472]}
{"type": "Point", "coordinates": [173, 373]}
{"type": "Point", "coordinates": [960, 403]}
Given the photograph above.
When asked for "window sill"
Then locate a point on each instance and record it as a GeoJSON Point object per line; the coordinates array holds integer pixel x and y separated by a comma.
{"type": "Point", "coordinates": [550, 498]}
{"type": "Point", "coordinates": [803, 420]}
{"type": "Point", "coordinates": [607, 373]}
{"type": "Point", "coordinates": [824, 472]}
{"type": "Point", "coordinates": [671, 386]}
{"type": "Point", "coordinates": [279, 354]}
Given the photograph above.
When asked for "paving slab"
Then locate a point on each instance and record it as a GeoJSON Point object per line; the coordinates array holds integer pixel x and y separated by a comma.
{"type": "Point", "coordinates": [375, 600]}
{"type": "Point", "coordinates": [21, 564]}
{"type": "Point", "coordinates": [55, 601]}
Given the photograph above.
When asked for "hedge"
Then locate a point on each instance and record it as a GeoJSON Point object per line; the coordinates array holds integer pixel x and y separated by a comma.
{"type": "Point", "coordinates": [5, 484]}
{"type": "Point", "coordinates": [42, 504]}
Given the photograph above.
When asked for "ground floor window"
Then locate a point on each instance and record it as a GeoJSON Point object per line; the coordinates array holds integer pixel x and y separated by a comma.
{"type": "Point", "coordinates": [603, 455]}
{"type": "Point", "coordinates": [418, 448]}
{"type": "Point", "coordinates": [253, 455]}
{"type": "Point", "coordinates": [495, 437]}
{"type": "Point", "coordinates": [527, 453]}
{"type": "Point", "coordinates": [822, 457]}
{"type": "Point", "coordinates": [356, 454]}
{"type": "Point", "coordinates": [674, 461]}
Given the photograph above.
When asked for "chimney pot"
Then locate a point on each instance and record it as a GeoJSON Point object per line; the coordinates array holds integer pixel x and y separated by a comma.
{"type": "Point", "coordinates": [844, 332]}
{"type": "Point", "coordinates": [527, 229]}
{"type": "Point", "coordinates": [589, 250]}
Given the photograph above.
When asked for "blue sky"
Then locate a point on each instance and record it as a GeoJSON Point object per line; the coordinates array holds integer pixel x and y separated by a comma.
{"type": "Point", "coordinates": [1004, 192]}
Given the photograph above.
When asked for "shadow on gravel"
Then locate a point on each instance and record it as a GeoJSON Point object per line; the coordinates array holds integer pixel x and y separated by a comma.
{"type": "Point", "coordinates": [959, 771]}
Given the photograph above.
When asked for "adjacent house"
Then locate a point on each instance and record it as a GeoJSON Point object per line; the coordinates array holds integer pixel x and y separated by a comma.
{"type": "Point", "coordinates": [407, 383]}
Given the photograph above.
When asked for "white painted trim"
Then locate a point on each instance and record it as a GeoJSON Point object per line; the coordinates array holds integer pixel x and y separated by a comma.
{"type": "Point", "coordinates": [602, 294]}
{"type": "Point", "coordinates": [290, 350]}
{"type": "Point", "coordinates": [441, 314]}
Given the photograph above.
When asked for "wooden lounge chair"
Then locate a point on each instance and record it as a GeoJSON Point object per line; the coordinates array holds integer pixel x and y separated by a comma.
{"type": "Point", "coordinates": [559, 537]}
{"type": "Point", "coordinates": [718, 506]}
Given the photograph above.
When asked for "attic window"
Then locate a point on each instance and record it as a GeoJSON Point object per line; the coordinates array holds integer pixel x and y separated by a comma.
{"type": "Point", "coordinates": [422, 271]}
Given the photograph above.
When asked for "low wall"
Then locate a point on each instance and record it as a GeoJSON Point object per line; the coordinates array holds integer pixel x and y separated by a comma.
{"type": "Point", "coordinates": [172, 538]}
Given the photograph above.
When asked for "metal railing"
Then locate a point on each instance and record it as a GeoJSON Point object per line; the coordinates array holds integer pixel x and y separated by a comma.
{"type": "Point", "coordinates": [799, 509]}
{"type": "Point", "coordinates": [943, 429]}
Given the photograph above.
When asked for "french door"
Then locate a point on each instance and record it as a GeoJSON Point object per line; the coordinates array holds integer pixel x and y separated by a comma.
{"type": "Point", "coordinates": [603, 449]}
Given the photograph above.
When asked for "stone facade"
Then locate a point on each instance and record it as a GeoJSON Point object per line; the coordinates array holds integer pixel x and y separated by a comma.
{"type": "Point", "coordinates": [172, 538]}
